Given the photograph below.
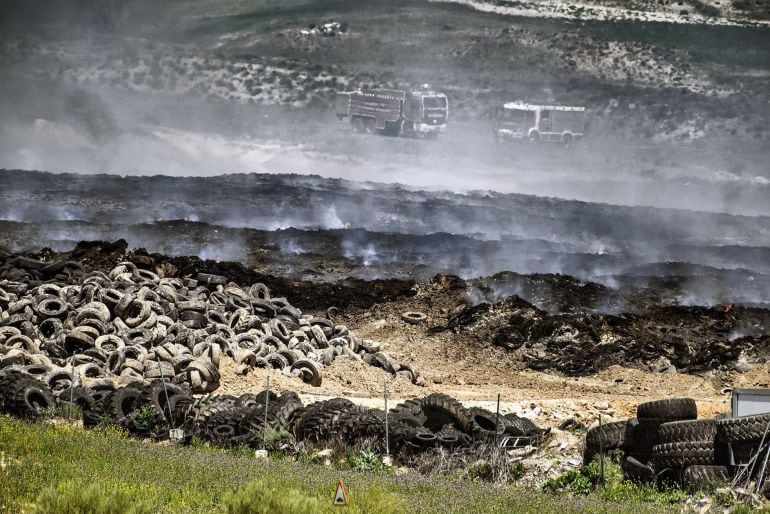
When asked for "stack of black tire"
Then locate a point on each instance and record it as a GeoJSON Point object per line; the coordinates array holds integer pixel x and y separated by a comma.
{"type": "Point", "coordinates": [147, 409]}
{"type": "Point", "coordinates": [437, 420]}
{"type": "Point", "coordinates": [227, 420]}
{"type": "Point", "coordinates": [739, 439]}
{"type": "Point", "coordinates": [666, 443]}
{"type": "Point", "coordinates": [24, 396]}
{"type": "Point", "coordinates": [152, 408]}
{"type": "Point", "coordinates": [131, 322]}
{"type": "Point", "coordinates": [440, 420]}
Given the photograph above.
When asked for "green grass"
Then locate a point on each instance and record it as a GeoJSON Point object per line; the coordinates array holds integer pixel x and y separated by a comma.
{"type": "Point", "coordinates": [73, 498]}
{"type": "Point", "coordinates": [611, 486]}
{"type": "Point", "coordinates": [39, 464]}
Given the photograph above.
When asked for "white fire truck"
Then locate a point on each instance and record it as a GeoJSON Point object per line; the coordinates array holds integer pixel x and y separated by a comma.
{"type": "Point", "coordinates": [539, 123]}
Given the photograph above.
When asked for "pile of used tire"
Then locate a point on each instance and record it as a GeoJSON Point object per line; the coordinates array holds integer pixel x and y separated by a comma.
{"type": "Point", "coordinates": [152, 408]}
{"type": "Point", "coordinates": [667, 443]}
{"type": "Point", "coordinates": [132, 323]}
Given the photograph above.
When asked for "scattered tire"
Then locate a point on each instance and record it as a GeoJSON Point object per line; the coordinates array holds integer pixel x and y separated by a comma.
{"type": "Point", "coordinates": [705, 478]}
{"type": "Point", "coordinates": [485, 426]}
{"type": "Point", "coordinates": [604, 438]}
{"type": "Point", "coordinates": [28, 398]}
{"type": "Point", "coordinates": [124, 402]}
{"type": "Point", "coordinates": [309, 371]}
{"type": "Point", "coordinates": [409, 408]}
{"type": "Point", "coordinates": [414, 318]}
{"type": "Point", "coordinates": [520, 427]}
{"type": "Point", "coordinates": [637, 471]}
{"type": "Point", "coordinates": [441, 409]}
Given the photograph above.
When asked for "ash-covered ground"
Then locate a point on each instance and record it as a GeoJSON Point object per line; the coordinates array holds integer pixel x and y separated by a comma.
{"type": "Point", "coordinates": [565, 286]}
{"type": "Point", "coordinates": [313, 228]}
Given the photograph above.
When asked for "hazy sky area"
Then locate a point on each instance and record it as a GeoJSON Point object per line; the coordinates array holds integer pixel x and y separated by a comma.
{"type": "Point", "coordinates": [76, 99]}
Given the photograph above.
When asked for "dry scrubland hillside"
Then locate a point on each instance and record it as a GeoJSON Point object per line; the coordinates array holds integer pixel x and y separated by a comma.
{"type": "Point", "coordinates": [643, 79]}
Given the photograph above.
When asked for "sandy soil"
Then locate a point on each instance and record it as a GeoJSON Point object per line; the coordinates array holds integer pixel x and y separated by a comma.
{"type": "Point", "coordinates": [477, 374]}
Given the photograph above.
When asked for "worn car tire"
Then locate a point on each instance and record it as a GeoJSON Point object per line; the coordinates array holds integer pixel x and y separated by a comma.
{"type": "Point", "coordinates": [604, 438]}
{"type": "Point", "coordinates": [310, 371]}
{"type": "Point", "coordinates": [688, 430]}
{"type": "Point", "coordinates": [667, 409]}
{"type": "Point", "coordinates": [705, 478]}
{"type": "Point", "coordinates": [743, 429]}
{"type": "Point", "coordinates": [414, 317]}
{"type": "Point", "coordinates": [682, 454]}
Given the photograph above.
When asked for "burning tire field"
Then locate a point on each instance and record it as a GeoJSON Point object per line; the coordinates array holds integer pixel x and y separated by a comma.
{"type": "Point", "coordinates": [175, 326]}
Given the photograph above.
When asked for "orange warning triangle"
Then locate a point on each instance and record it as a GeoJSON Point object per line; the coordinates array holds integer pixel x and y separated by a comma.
{"type": "Point", "coordinates": [340, 497]}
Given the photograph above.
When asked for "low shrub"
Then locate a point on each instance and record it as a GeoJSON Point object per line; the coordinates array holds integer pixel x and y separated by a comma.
{"type": "Point", "coordinates": [365, 460]}
{"type": "Point", "coordinates": [260, 498]}
{"type": "Point", "coordinates": [74, 498]}
{"type": "Point", "coordinates": [277, 438]}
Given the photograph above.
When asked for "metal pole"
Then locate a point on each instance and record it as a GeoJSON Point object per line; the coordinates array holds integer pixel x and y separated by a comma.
{"type": "Point", "coordinates": [761, 478]}
{"type": "Point", "coordinates": [267, 402]}
{"type": "Point", "coordinates": [72, 387]}
{"type": "Point", "coordinates": [601, 453]}
{"type": "Point", "coordinates": [165, 391]}
{"type": "Point", "coordinates": [385, 392]}
{"type": "Point", "coordinates": [497, 419]}
{"type": "Point", "coordinates": [762, 446]}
